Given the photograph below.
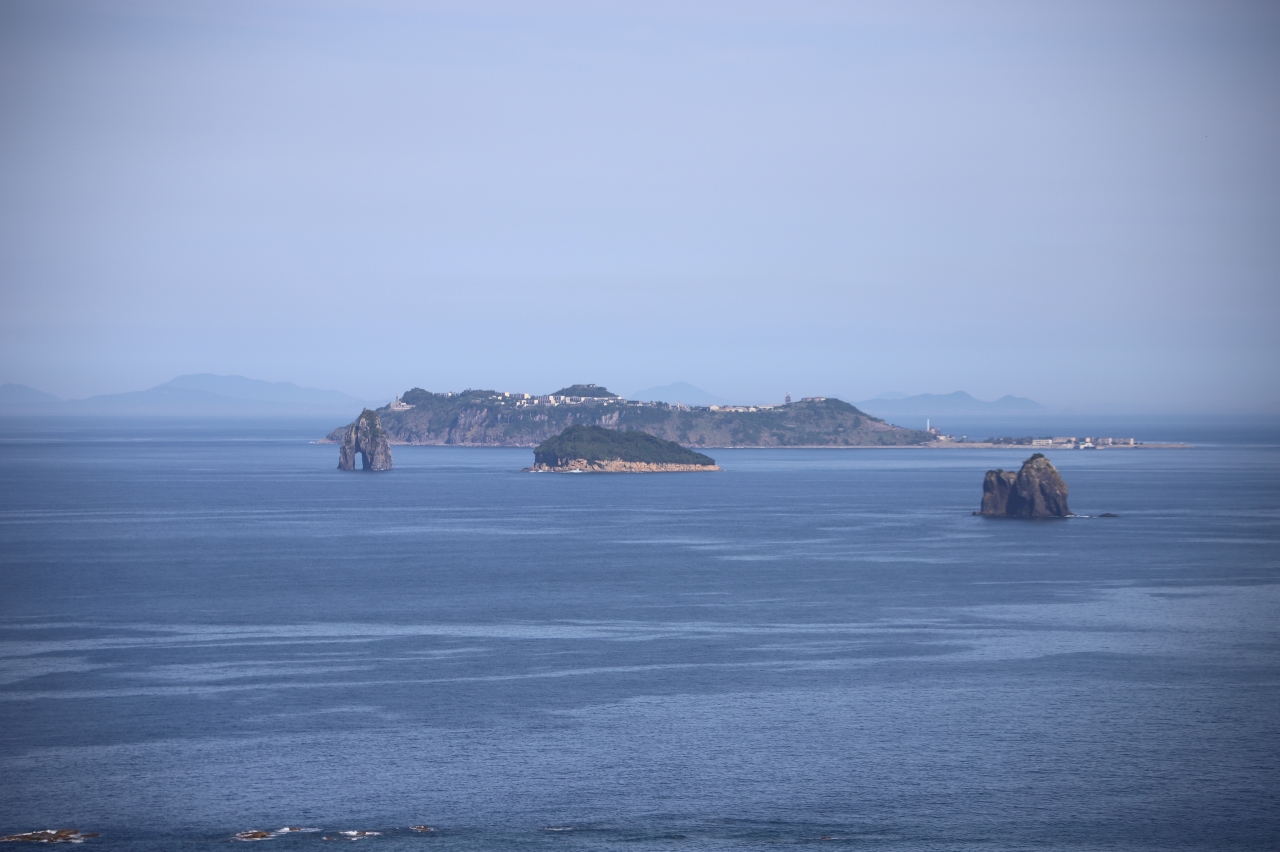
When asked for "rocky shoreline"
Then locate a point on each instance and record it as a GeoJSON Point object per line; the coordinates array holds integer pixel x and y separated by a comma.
{"type": "Point", "coordinates": [615, 466]}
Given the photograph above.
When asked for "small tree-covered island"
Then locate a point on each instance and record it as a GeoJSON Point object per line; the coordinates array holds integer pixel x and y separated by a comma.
{"type": "Point", "coordinates": [594, 449]}
{"type": "Point", "coordinates": [484, 418]}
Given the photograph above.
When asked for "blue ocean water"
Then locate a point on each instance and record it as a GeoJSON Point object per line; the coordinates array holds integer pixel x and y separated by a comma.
{"type": "Point", "coordinates": [209, 629]}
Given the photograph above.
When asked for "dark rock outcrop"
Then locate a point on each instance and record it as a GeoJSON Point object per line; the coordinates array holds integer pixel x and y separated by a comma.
{"type": "Point", "coordinates": [49, 835]}
{"type": "Point", "coordinates": [1036, 491]}
{"type": "Point", "coordinates": [365, 436]}
{"type": "Point", "coordinates": [995, 491]}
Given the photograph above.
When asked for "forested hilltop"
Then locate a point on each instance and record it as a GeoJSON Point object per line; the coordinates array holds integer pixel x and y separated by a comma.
{"type": "Point", "coordinates": [484, 418]}
{"type": "Point", "coordinates": [597, 444]}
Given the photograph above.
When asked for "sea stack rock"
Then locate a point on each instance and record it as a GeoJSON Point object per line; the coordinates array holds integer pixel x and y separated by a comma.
{"type": "Point", "coordinates": [1036, 491]}
{"type": "Point", "coordinates": [365, 436]}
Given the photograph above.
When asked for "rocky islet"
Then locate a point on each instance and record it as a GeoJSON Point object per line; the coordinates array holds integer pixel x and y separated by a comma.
{"type": "Point", "coordinates": [594, 449]}
{"type": "Point", "coordinates": [1035, 491]}
{"type": "Point", "coordinates": [366, 437]}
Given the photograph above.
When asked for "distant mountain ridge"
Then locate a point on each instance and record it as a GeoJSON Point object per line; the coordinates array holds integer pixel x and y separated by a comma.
{"type": "Point", "coordinates": [21, 396]}
{"type": "Point", "coordinates": [200, 394]}
{"type": "Point", "coordinates": [926, 404]}
{"type": "Point", "coordinates": [239, 387]}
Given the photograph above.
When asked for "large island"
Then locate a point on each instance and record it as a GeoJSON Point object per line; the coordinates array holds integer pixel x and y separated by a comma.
{"type": "Point", "coordinates": [483, 418]}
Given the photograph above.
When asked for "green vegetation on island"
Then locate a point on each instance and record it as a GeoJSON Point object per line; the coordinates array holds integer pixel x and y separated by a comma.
{"type": "Point", "coordinates": [597, 444]}
{"type": "Point", "coordinates": [586, 392]}
{"type": "Point", "coordinates": [486, 418]}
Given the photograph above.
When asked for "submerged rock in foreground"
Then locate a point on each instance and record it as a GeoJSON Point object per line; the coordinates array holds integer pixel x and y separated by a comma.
{"type": "Point", "coordinates": [365, 436]}
{"type": "Point", "coordinates": [594, 449]}
{"type": "Point", "coordinates": [49, 835]}
{"type": "Point", "coordinates": [1036, 491]}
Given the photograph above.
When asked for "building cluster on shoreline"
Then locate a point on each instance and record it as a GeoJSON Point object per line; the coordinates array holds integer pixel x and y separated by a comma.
{"type": "Point", "coordinates": [1057, 442]}
{"type": "Point", "coordinates": [1069, 443]}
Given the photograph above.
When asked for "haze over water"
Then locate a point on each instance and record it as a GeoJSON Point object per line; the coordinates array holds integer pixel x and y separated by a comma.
{"type": "Point", "coordinates": [209, 629]}
{"type": "Point", "coordinates": [1074, 202]}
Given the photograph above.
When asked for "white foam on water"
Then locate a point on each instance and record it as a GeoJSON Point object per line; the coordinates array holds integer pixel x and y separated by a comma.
{"type": "Point", "coordinates": [252, 835]}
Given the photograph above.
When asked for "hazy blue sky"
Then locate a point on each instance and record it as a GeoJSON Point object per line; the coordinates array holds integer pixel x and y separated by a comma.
{"type": "Point", "coordinates": [1070, 201]}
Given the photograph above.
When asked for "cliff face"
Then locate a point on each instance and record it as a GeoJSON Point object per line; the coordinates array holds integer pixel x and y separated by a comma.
{"type": "Point", "coordinates": [365, 436]}
{"type": "Point", "coordinates": [995, 491]}
{"type": "Point", "coordinates": [1036, 491]}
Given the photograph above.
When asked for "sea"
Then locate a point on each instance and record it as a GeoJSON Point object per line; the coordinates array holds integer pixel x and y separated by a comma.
{"type": "Point", "coordinates": [208, 629]}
